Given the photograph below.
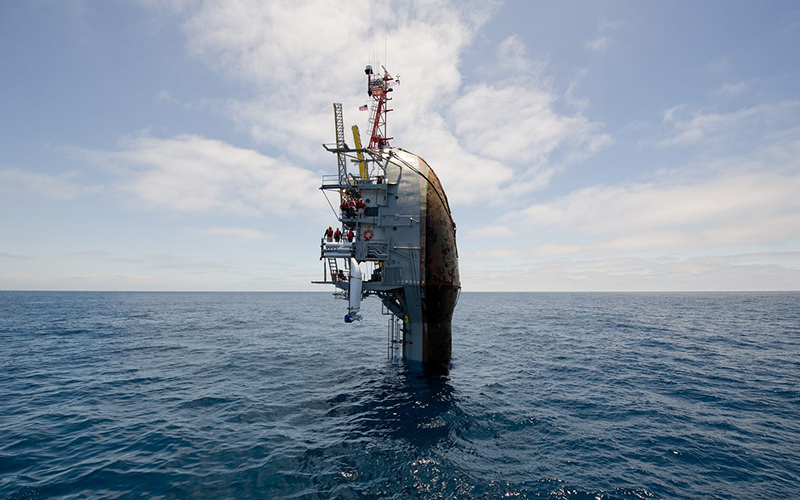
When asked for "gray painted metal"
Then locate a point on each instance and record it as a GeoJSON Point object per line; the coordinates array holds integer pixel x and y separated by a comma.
{"type": "Point", "coordinates": [412, 249]}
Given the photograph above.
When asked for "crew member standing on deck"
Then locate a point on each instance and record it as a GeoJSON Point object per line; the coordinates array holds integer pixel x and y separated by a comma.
{"type": "Point", "coordinates": [337, 235]}
{"type": "Point", "coordinates": [329, 234]}
{"type": "Point", "coordinates": [350, 235]}
{"type": "Point", "coordinates": [360, 207]}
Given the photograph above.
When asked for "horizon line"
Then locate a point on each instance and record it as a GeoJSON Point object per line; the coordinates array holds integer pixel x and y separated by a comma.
{"type": "Point", "coordinates": [462, 291]}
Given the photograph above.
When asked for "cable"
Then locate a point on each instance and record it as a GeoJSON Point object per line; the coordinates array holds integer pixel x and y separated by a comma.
{"type": "Point", "coordinates": [329, 203]}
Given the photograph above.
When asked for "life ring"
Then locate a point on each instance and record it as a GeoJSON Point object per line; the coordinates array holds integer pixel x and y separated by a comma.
{"type": "Point", "coordinates": [368, 234]}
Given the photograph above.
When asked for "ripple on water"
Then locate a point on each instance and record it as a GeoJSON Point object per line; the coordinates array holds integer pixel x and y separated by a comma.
{"type": "Point", "coordinates": [609, 396]}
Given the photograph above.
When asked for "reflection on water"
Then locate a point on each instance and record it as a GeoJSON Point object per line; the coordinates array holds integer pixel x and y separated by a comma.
{"type": "Point", "coordinates": [609, 396]}
{"type": "Point", "coordinates": [409, 405]}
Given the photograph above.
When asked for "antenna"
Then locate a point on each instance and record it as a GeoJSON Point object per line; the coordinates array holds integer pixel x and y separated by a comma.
{"type": "Point", "coordinates": [378, 88]}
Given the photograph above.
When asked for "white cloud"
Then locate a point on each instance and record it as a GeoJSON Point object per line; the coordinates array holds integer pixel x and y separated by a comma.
{"type": "Point", "coordinates": [764, 271]}
{"type": "Point", "coordinates": [733, 89]}
{"type": "Point", "coordinates": [469, 135]}
{"type": "Point", "coordinates": [242, 234]}
{"type": "Point", "coordinates": [720, 65]}
{"type": "Point", "coordinates": [703, 125]}
{"type": "Point", "coordinates": [717, 223]}
{"type": "Point", "coordinates": [482, 119]}
{"type": "Point", "coordinates": [606, 24]}
{"type": "Point", "coordinates": [61, 187]}
{"type": "Point", "coordinates": [11, 256]}
{"type": "Point", "coordinates": [192, 173]}
{"type": "Point", "coordinates": [743, 208]}
{"type": "Point", "coordinates": [490, 231]}
{"type": "Point", "coordinates": [730, 205]}
{"type": "Point", "coordinates": [512, 60]}
{"type": "Point", "coordinates": [599, 44]}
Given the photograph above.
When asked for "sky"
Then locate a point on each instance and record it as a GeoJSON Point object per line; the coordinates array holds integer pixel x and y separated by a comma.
{"type": "Point", "coordinates": [584, 146]}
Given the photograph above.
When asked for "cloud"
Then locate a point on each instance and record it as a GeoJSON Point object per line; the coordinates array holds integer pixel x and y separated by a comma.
{"type": "Point", "coordinates": [599, 44]}
{"type": "Point", "coordinates": [701, 125]}
{"type": "Point", "coordinates": [727, 204]}
{"type": "Point", "coordinates": [716, 223]}
{"type": "Point", "coordinates": [758, 272]}
{"type": "Point", "coordinates": [734, 209]}
{"type": "Point", "coordinates": [511, 60]}
{"type": "Point", "coordinates": [294, 79]}
{"type": "Point", "coordinates": [193, 174]}
{"type": "Point", "coordinates": [481, 118]}
{"type": "Point", "coordinates": [720, 65]}
{"type": "Point", "coordinates": [732, 89]}
{"type": "Point", "coordinates": [242, 234]}
{"type": "Point", "coordinates": [605, 26]}
{"type": "Point", "coordinates": [61, 187]}
{"type": "Point", "coordinates": [11, 256]}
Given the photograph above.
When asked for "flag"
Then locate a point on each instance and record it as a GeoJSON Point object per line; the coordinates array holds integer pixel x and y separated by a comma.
{"type": "Point", "coordinates": [363, 108]}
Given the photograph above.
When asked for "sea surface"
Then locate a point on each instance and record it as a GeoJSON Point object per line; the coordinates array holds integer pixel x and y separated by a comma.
{"type": "Point", "coordinates": [272, 396]}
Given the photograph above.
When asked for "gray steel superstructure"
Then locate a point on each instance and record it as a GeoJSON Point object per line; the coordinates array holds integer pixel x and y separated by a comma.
{"type": "Point", "coordinates": [403, 248]}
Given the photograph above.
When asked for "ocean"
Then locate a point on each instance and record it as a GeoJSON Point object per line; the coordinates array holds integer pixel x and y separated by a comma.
{"type": "Point", "coordinates": [273, 396]}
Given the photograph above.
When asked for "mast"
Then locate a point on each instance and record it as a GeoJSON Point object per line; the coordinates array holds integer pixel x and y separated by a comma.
{"type": "Point", "coordinates": [340, 144]}
{"type": "Point", "coordinates": [378, 87]}
{"type": "Point", "coordinates": [397, 237]}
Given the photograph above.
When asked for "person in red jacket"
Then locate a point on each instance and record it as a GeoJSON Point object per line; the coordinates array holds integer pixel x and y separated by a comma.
{"type": "Point", "coordinates": [360, 207]}
{"type": "Point", "coordinates": [329, 234]}
{"type": "Point", "coordinates": [337, 235]}
{"type": "Point", "coordinates": [350, 235]}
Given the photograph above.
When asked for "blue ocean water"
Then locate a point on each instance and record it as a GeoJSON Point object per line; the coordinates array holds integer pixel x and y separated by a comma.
{"type": "Point", "coordinates": [271, 395]}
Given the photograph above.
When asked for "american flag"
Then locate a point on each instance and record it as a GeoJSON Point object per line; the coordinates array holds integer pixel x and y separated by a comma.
{"type": "Point", "coordinates": [363, 108]}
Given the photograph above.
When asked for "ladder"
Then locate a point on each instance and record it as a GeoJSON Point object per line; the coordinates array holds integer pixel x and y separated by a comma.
{"type": "Point", "coordinates": [340, 144]}
{"type": "Point", "coordinates": [373, 114]}
{"type": "Point", "coordinates": [333, 267]}
{"type": "Point", "coordinates": [394, 337]}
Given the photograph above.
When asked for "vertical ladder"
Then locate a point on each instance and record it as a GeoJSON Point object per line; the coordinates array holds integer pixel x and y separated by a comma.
{"type": "Point", "coordinates": [373, 114]}
{"type": "Point", "coordinates": [394, 334]}
{"type": "Point", "coordinates": [340, 144]}
{"type": "Point", "coordinates": [333, 267]}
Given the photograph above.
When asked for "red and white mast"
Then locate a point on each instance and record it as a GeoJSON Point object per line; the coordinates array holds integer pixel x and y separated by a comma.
{"type": "Point", "coordinates": [378, 88]}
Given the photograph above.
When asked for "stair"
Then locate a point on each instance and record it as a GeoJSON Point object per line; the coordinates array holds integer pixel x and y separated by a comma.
{"type": "Point", "coordinates": [333, 267]}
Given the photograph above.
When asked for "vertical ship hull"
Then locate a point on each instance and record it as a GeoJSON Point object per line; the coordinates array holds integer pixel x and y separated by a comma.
{"type": "Point", "coordinates": [398, 226]}
{"type": "Point", "coordinates": [428, 302]}
{"type": "Point", "coordinates": [440, 263]}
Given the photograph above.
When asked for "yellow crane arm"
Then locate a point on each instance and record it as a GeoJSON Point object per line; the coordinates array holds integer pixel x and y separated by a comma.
{"type": "Point", "coordinates": [362, 165]}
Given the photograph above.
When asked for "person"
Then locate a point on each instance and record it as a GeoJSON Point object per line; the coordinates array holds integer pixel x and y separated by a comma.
{"type": "Point", "coordinates": [341, 275]}
{"type": "Point", "coordinates": [350, 235]}
{"type": "Point", "coordinates": [329, 234]}
{"type": "Point", "coordinates": [343, 206]}
{"type": "Point", "coordinates": [360, 207]}
{"type": "Point", "coordinates": [351, 208]}
{"type": "Point", "coordinates": [337, 235]}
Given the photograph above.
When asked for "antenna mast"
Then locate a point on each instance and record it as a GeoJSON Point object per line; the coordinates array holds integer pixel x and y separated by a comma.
{"type": "Point", "coordinates": [378, 88]}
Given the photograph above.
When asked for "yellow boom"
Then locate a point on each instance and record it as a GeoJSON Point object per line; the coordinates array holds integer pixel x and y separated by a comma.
{"type": "Point", "coordinates": [362, 166]}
